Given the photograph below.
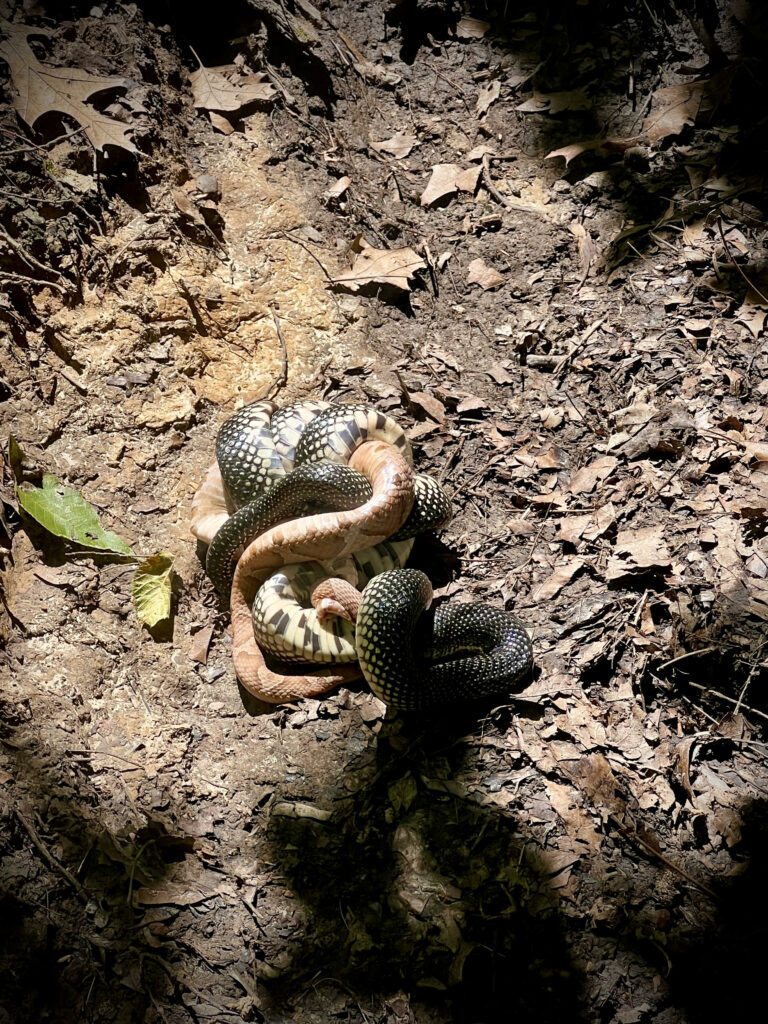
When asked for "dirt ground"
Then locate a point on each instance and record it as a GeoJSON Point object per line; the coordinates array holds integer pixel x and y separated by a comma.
{"type": "Point", "coordinates": [576, 346]}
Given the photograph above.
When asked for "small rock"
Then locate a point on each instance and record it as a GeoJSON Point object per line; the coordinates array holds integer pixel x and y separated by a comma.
{"type": "Point", "coordinates": [208, 185]}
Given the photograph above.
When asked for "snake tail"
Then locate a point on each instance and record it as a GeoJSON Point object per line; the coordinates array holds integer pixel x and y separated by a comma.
{"type": "Point", "coordinates": [471, 650]}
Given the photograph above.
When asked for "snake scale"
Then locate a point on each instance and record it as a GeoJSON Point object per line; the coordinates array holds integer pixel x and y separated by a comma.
{"type": "Point", "coordinates": [310, 513]}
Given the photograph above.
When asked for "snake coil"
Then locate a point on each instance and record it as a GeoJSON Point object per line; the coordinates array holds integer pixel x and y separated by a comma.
{"type": "Point", "coordinates": [286, 494]}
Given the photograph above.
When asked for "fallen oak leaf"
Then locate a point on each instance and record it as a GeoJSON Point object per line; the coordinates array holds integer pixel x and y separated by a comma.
{"type": "Point", "coordinates": [677, 106]}
{"type": "Point", "coordinates": [41, 89]}
{"type": "Point", "coordinates": [393, 267]}
{"type": "Point", "coordinates": [211, 90]}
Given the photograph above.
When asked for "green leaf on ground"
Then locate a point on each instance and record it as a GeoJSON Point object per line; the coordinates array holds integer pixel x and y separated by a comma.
{"type": "Point", "coordinates": [152, 588]}
{"type": "Point", "coordinates": [65, 513]}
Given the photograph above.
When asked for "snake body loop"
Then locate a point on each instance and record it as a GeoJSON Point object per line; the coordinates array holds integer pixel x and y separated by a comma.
{"type": "Point", "coordinates": [307, 489]}
{"type": "Point", "coordinates": [466, 651]}
{"type": "Point", "coordinates": [314, 491]}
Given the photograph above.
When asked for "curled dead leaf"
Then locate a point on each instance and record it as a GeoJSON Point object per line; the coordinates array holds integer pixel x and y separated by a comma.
{"type": "Point", "coordinates": [478, 272]}
{"type": "Point", "coordinates": [393, 267]}
{"type": "Point", "coordinates": [471, 28]}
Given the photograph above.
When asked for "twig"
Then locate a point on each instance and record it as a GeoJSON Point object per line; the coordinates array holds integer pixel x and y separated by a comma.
{"type": "Point", "coordinates": [48, 856]}
{"type": "Point", "coordinates": [688, 654]}
{"type": "Point", "coordinates": [736, 265]}
{"type": "Point", "coordinates": [282, 378]}
{"type": "Point", "coordinates": [296, 241]}
{"type": "Point", "coordinates": [329, 279]}
{"type": "Point", "coordinates": [632, 833]}
{"type": "Point", "coordinates": [8, 275]}
{"type": "Point", "coordinates": [730, 700]}
{"type": "Point", "coordinates": [579, 344]}
{"type": "Point", "coordinates": [28, 258]}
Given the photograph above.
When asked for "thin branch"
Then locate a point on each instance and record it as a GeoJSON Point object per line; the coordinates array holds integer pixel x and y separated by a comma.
{"type": "Point", "coordinates": [48, 857]}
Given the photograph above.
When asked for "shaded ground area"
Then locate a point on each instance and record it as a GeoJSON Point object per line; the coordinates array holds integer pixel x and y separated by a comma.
{"type": "Point", "coordinates": [546, 230]}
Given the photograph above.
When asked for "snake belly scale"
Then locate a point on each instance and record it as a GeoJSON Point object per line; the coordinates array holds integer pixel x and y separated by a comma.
{"type": "Point", "coordinates": [312, 492]}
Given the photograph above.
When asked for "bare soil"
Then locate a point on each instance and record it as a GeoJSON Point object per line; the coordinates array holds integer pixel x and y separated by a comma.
{"type": "Point", "coordinates": [582, 359]}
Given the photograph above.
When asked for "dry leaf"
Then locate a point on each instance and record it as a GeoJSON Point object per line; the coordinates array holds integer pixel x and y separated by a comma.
{"type": "Point", "coordinates": [338, 188]}
{"type": "Point", "coordinates": [584, 480]}
{"type": "Point", "coordinates": [432, 406]}
{"type": "Point", "coordinates": [600, 147]}
{"type": "Point", "coordinates": [478, 272]}
{"type": "Point", "coordinates": [399, 145]}
{"type": "Point", "coordinates": [220, 123]}
{"type": "Point", "coordinates": [487, 95]}
{"type": "Point", "coordinates": [471, 28]}
{"type": "Point", "coordinates": [185, 205]}
{"type": "Point", "coordinates": [471, 404]}
{"type": "Point", "coordinates": [587, 247]}
{"type": "Point", "coordinates": [468, 179]}
{"type": "Point", "coordinates": [447, 179]}
{"type": "Point", "coordinates": [376, 74]}
{"type": "Point", "coordinates": [200, 644]}
{"type": "Point", "coordinates": [393, 267]}
{"type": "Point", "coordinates": [587, 527]}
{"type": "Point", "coordinates": [674, 107]}
{"type": "Point", "coordinates": [753, 318]}
{"type": "Point", "coordinates": [442, 183]}
{"type": "Point", "coordinates": [638, 549]}
{"type": "Point", "coordinates": [479, 152]}
{"type": "Point", "coordinates": [560, 577]}
{"type": "Point", "coordinates": [40, 89]}
{"type": "Point", "coordinates": [211, 90]}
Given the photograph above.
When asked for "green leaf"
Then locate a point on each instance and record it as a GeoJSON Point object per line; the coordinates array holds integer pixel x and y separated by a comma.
{"type": "Point", "coordinates": [64, 512]}
{"type": "Point", "coordinates": [152, 588]}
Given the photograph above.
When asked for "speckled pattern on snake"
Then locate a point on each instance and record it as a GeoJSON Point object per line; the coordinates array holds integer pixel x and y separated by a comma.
{"type": "Point", "coordinates": [310, 514]}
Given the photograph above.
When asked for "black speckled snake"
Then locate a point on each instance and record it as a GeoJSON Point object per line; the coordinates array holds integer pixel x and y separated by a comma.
{"type": "Point", "coordinates": [313, 483]}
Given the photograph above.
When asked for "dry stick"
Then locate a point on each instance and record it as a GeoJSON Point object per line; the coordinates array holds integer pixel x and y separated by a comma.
{"type": "Point", "coordinates": [579, 344]}
{"type": "Point", "coordinates": [7, 275]}
{"type": "Point", "coordinates": [730, 700]}
{"type": "Point", "coordinates": [632, 833]}
{"type": "Point", "coordinates": [48, 856]}
{"type": "Point", "coordinates": [282, 378]}
{"type": "Point", "coordinates": [736, 265]}
{"type": "Point", "coordinates": [26, 256]}
{"type": "Point", "coordinates": [754, 288]}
